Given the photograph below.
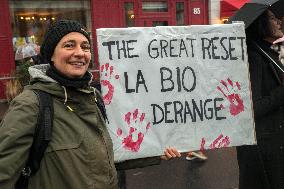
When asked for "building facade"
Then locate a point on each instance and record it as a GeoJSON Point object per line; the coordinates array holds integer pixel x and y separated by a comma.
{"type": "Point", "coordinates": [23, 22]}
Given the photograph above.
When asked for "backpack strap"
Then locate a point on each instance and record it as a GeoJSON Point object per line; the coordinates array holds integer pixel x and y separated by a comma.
{"type": "Point", "coordinates": [101, 105]}
{"type": "Point", "coordinates": [42, 137]}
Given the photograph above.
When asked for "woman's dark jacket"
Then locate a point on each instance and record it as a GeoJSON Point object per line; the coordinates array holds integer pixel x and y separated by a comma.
{"type": "Point", "coordinates": [262, 166]}
{"type": "Point", "coordinates": [80, 154]}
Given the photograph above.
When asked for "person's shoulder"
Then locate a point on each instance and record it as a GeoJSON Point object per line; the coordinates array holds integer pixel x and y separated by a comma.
{"type": "Point", "coordinates": [27, 97]}
{"type": "Point", "coordinates": [253, 53]}
{"type": "Point", "coordinates": [22, 109]}
{"type": "Point", "coordinates": [251, 49]}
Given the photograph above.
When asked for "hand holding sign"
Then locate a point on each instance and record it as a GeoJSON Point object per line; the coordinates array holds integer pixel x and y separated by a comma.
{"type": "Point", "coordinates": [137, 128]}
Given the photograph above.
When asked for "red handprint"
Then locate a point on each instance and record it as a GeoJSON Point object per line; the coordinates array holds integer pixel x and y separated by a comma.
{"type": "Point", "coordinates": [236, 102]}
{"type": "Point", "coordinates": [219, 142]}
{"type": "Point", "coordinates": [107, 71]}
{"type": "Point", "coordinates": [137, 129]}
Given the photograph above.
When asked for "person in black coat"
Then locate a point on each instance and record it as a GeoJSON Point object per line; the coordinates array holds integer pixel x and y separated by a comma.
{"type": "Point", "coordinates": [261, 166]}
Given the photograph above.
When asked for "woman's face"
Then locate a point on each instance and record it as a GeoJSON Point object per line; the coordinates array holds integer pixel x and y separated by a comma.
{"type": "Point", "coordinates": [72, 55]}
{"type": "Point", "coordinates": [275, 26]}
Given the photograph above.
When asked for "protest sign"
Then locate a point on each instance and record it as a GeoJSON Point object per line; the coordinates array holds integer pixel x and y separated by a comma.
{"type": "Point", "coordinates": [185, 87]}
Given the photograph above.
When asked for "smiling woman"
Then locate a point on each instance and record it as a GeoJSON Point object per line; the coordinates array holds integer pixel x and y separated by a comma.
{"type": "Point", "coordinates": [67, 47]}
{"type": "Point", "coordinates": [72, 55]}
{"type": "Point", "coordinates": [80, 153]}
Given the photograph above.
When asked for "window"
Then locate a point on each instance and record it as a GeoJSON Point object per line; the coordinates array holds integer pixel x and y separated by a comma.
{"type": "Point", "coordinates": [180, 14]}
{"type": "Point", "coordinates": [154, 6]}
{"type": "Point", "coordinates": [129, 14]}
{"type": "Point", "coordinates": [30, 19]}
{"type": "Point", "coordinates": [160, 23]}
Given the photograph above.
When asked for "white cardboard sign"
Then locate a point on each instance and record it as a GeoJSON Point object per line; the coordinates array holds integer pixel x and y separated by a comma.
{"type": "Point", "coordinates": [186, 87]}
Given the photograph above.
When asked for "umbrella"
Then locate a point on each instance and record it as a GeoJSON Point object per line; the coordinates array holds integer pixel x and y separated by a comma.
{"type": "Point", "coordinates": [26, 51]}
{"type": "Point", "coordinates": [230, 6]}
{"type": "Point", "coordinates": [250, 11]}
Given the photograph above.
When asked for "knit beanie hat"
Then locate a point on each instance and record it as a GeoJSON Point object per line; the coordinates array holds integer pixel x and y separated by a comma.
{"type": "Point", "coordinates": [56, 32]}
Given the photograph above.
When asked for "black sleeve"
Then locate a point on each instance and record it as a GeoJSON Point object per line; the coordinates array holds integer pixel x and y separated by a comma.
{"type": "Point", "coordinates": [263, 104]}
{"type": "Point", "coordinates": [138, 163]}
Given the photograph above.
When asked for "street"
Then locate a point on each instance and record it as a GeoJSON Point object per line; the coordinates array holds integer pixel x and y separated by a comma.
{"type": "Point", "coordinates": [220, 171]}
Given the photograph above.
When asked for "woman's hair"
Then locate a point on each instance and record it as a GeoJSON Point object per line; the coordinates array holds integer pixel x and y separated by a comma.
{"type": "Point", "coordinates": [13, 88]}
{"type": "Point", "coordinates": [260, 28]}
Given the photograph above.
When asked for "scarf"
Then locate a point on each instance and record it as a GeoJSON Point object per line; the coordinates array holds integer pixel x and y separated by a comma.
{"type": "Point", "coordinates": [82, 82]}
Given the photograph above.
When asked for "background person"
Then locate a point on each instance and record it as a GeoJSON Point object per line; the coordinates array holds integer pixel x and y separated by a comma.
{"type": "Point", "coordinates": [261, 166]}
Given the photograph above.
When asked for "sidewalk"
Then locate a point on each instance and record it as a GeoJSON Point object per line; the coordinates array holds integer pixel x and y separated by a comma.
{"type": "Point", "coordinates": [219, 171]}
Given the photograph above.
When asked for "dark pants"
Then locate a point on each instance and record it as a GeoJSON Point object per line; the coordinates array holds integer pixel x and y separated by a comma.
{"type": "Point", "coordinates": [121, 176]}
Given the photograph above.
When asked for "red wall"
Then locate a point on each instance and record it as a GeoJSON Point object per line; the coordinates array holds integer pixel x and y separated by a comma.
{"type": "Point", "coordinates": [105, 14]}
{"type": "Point", "coordinates": [6, 47]}
{"type": "Point", "coordinates": [198, 12]}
